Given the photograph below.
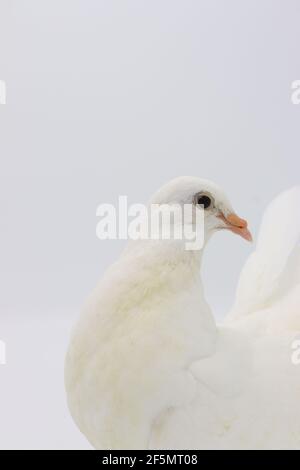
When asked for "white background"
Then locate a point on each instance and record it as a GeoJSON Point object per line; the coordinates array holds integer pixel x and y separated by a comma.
{"type": "Point", "coordinates": [117, 97]}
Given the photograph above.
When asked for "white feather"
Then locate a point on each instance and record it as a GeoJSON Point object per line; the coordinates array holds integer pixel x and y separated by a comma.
{"type": "Point", "coordinates": [273, 269]}
{"type": "Point", "coordinates": [147, 366]}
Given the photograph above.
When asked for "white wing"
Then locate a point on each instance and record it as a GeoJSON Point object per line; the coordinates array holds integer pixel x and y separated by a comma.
{"type": "Point", "coordinates": [270, 279]}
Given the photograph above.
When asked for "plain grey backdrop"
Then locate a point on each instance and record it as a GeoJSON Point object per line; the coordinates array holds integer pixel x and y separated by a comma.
{"type": "Point", "coordinates": [110, 97]}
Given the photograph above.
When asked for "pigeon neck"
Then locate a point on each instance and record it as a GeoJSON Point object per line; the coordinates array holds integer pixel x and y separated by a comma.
{"type": "Point", "coordinates": [164, 263]}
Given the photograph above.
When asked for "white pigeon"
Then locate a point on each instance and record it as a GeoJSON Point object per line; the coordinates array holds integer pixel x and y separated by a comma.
{"type": "Point", "coordinates": [149, 368]}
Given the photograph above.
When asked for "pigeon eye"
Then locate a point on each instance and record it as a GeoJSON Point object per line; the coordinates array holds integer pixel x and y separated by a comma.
{"type": "Point", "coordinates": [203, 200]}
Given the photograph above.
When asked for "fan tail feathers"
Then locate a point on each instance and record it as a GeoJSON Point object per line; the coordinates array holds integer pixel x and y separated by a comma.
{"type": "Point", "coordinates": [272, 271]}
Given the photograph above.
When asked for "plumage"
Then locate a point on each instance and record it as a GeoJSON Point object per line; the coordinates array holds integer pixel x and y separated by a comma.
{"type": "Point", "coordinates": [147, 365]}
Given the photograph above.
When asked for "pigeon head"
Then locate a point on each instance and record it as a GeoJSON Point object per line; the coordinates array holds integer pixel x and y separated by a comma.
{"type": "Point", "coordinates": [206, 196]}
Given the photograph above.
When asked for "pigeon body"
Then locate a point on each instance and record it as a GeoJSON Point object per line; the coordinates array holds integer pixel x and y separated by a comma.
{"type": "Point", "coordinates": [148, 367]}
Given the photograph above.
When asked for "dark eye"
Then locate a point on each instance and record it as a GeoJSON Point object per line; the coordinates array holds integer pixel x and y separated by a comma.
{"type": "Point", "coordinates": [203, 200]}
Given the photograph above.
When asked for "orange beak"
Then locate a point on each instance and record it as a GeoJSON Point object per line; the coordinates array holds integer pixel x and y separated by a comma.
{"type": "Point", "coordinates": [237, 225]}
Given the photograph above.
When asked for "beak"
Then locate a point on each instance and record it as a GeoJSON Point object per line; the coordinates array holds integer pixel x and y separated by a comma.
{"type": "Point", "coordinates": [237, 225]}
